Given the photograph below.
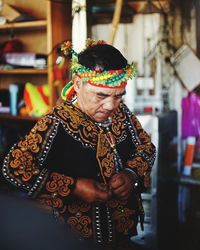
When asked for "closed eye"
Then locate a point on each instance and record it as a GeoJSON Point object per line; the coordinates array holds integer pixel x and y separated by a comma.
{"type": "Point", "coordinates": [121, 95]}
{"type": "Point", "coordinates": [102, 96]}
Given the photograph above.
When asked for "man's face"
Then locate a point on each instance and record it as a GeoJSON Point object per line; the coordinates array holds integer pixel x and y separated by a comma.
{"type": "Point", "coordinates": [97, 102]}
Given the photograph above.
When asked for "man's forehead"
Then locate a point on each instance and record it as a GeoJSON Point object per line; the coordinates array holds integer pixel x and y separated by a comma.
{"type": "Point", "coordinates": [106, 91]}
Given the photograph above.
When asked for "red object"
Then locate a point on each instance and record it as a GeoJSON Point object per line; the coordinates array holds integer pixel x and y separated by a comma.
{"type": "Point", "coordinates": [148, 109]}
{"type": "Point", "coordinates": [28, 99]}
{"type": "Point", "coordinates": [44, 97]}
{"type": "Point", "coordinates": [189, 155]}
{"type": "Point", "coordinates": [122, 85]}
{"type": "Point", "coordinates": [12, 46]}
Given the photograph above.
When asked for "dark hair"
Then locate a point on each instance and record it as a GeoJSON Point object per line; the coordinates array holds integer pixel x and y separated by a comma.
{"type": "Point", "coordinates": [103, 57]}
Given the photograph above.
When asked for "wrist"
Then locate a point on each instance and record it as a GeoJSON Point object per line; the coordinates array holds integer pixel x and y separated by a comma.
{"type": "Point", "coordinates": [133, 175]}
{"type": "Point", "coordinates": [73, 186]}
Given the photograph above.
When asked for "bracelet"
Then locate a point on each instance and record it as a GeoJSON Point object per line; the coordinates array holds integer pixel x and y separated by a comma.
{"type": "Point", "coordinates": [135, 175]}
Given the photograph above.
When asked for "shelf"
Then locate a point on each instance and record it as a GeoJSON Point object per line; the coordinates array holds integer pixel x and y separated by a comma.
{"type": "Point", "coordinates": [189, 181]}
{"type": "Point", "coordinates": [51, 25]}
{"type": "Point", "coordinates": [7, 118]}
{"type": "Point", "coordinates": [22, 71]}
{"type": "Point", "coordinates": [39, 24]}
{"type": "Point", "coordinates": [182, 180]}
{"type": "Point", "coordinates": [146, 196]}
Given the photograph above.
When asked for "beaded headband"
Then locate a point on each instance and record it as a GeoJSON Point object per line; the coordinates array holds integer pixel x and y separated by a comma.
{"type": "Point", "coordinates": [106, 79]}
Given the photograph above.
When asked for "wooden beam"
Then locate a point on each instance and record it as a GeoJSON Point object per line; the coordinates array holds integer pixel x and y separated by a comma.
{"type": "Point", "coordinates": [116, 19]}
{"type": "Point", "coordinates": [197, 8]}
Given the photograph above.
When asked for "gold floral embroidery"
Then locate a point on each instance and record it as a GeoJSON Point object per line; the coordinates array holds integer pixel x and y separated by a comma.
{"type": "Point", "coordinates": [31, 142]}
{"type": "Point", "coordinates": [75, 122]}
{"type": "Point", "coordinates": [118, 124]}
{"type": "Point", "coordinates": [22, 163]}
{"type": "Point", "coordinates": [116, 203]}
{"type": "Point", "coordinates": [136, 122]}
{"type": "Point", "coordinates": [42, 124]}
{"type": "Point", "coordinates": [48, 200]}
{"type": "Point", "coordinates": [105, 154]}
{"type": "Point", "coordinates": [147, 148]}
{"type": "Point", "coordinates": [123, 220]}
{"type": "Point", "coordinates": [102, 145]}
{"type": "Point", "coordinates": [79, 221]}
{"type": "Point", "coordinates": [144, 136]}
{"type": "Point", "coordinates": [140, 164]}
{"type": "Point", "coordinates": [81, 224]}
{"type": "Point", "coordinates": [142, 168]}
{"type": "Point", "coordinates": [108, 165]}
{"type": "Point", "coordinates": [59, 184]}
{"type": "Point", "coordinates": [79, 207]}
{"type": "Point", "coordinates": [105, 157]}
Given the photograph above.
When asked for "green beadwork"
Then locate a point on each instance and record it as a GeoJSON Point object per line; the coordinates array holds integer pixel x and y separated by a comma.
{"type": "Point", "coordinates": [105, 77]}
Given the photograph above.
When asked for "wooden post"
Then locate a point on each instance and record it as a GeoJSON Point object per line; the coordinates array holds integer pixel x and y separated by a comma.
{"type": "Point", "coordinates": [116, 19]}
{"type": "Point", "coordinates": [197, 9]}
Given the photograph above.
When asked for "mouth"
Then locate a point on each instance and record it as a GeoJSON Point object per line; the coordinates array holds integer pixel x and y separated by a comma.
{"type": "Point", "coordinates": [105, 113]}
{"type": "Point", "coordinates": [102, 116]}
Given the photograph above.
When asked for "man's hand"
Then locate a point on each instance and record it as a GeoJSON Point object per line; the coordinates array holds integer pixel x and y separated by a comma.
{"type": "Point", "coordinates": [122, 184]}
{"type": "Point", "coordinates": [91, 191]}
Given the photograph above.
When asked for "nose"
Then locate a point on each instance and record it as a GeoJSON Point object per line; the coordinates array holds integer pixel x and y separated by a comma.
{"type": "Point", "coordinates": [109, 105]}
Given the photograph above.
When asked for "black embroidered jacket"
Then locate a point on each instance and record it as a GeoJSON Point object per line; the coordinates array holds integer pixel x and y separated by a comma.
{"type": "Point", "coordinates": [66, 144]}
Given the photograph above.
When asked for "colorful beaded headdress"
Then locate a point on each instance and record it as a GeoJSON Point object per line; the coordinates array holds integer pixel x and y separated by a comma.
{"type": "Point", "coordinates": [106, 79]}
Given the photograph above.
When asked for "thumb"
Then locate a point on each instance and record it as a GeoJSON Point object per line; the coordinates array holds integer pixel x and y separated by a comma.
{"type": "Point", "coordinates": [103, 195]}
{"type": "Point", "coordinates": [114, 178]}
{"type": "Point", "coordinates": [102, 187]}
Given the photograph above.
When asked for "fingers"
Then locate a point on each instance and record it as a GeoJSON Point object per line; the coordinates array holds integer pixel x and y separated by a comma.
{"type": "Point", "coordinates": [116, 181]}
{"type": "Point", "coordinates": [91, 191]}
{"type": "Point", "coordinates": [123, 196]}
{"type": "Point", "coordinates": [121, 186]}
{"type": "Point", "coordinates": [101, 186]}
{"type": "Point", "coordinates": [122, 192]}
{"type": "Point", "coordinates": [103, 196]}
{"type": "Point", "coordinates": [103, 192]}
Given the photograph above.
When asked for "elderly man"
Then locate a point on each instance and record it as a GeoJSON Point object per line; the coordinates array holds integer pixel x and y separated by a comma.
{"type": "Point", "coordinates": [89, 159]}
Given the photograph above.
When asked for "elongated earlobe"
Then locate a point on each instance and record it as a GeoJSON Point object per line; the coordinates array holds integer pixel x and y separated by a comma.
{"type": "Point", "coordinates": [77, 83]}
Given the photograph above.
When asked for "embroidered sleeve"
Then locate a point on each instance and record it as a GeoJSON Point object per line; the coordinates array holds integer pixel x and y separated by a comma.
{"type": "Point", "coordinates": [143, 157]}
{"type": "Point", "coordinates": [23, 166]}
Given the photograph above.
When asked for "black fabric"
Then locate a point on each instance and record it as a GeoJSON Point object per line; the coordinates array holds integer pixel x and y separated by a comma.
{"type": "Point", "coordinates": [67, 156]}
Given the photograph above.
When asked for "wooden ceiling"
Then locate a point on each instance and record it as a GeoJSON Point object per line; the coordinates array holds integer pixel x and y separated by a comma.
{"type": "Point", "coordinates": [145, 7]}
{"type": "Point", "coordinates": [101, 11]}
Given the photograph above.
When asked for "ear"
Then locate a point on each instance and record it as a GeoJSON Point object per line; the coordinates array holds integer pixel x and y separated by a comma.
{"type": "Point", "coordinates": [77, 83]}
